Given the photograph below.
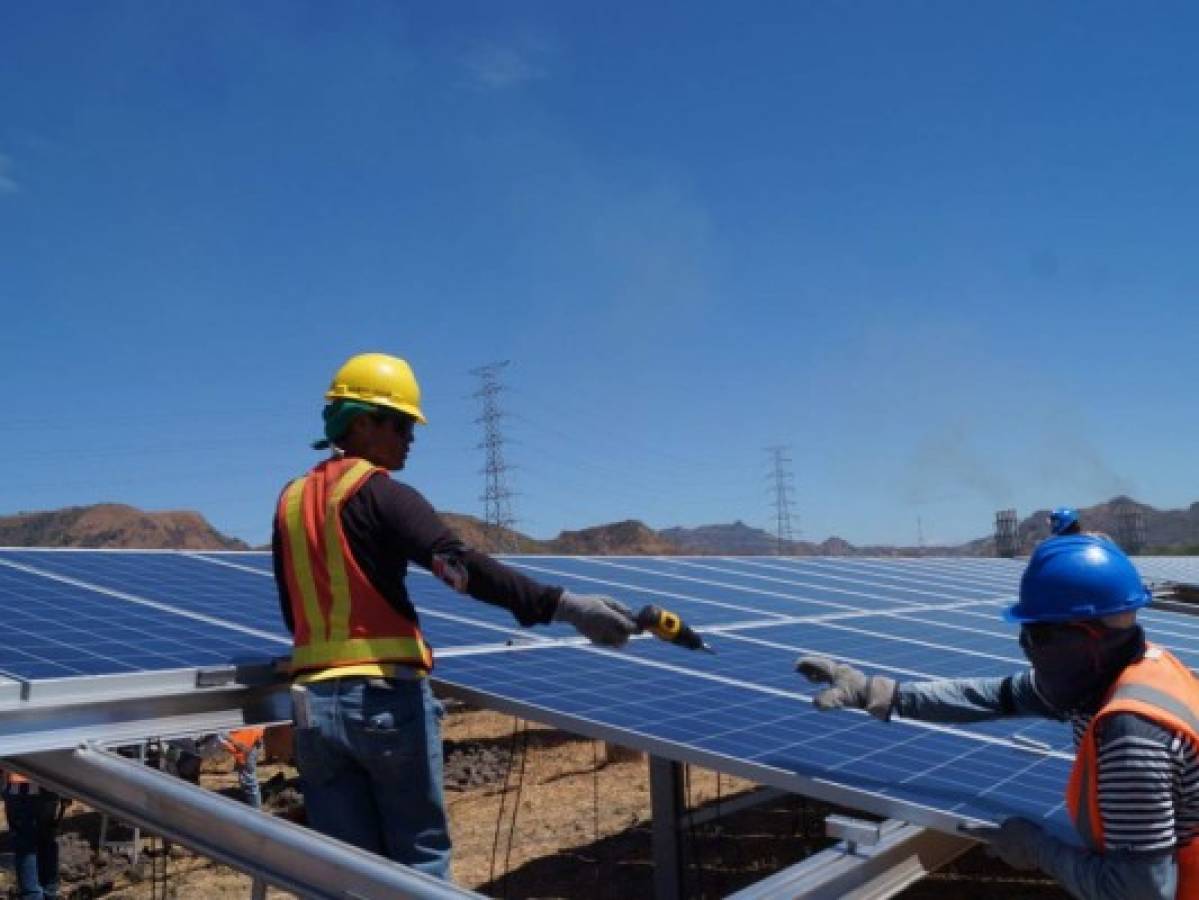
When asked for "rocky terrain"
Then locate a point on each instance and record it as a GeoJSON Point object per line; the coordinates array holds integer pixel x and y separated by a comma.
{"type": "Point", "coordinates": [113, 525]}
{"type": "Point", "coordinates": [117, 525]}
{"type": "Point", "coordinates": [1166, 530]}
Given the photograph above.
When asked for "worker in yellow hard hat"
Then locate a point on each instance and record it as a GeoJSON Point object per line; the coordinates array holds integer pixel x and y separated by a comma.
{"type": "Point", "coordinates": [368, 735]}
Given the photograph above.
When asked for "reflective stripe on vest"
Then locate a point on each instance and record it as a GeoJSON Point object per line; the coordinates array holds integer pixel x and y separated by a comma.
{"type": "Point", "coordinates": [340, 617]}
{"type": "Point", "coordinates": [241, 742]}
{"type": "Point", "coordinates": [1157, 687]}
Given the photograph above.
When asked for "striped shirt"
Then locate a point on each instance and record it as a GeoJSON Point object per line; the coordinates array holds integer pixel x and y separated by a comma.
{"type": "Point", "coordinates": [1148, 775]}
{"type": "Point", "coordinates": [1148, 783]}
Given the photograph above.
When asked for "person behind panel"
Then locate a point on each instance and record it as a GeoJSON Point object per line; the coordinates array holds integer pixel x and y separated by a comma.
{"type": "Point", "coordinates": [33, 816]}
{"type": "Point", "coordinates": [1064, 520]}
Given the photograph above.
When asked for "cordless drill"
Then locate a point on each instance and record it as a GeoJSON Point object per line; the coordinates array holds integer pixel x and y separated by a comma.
{"type": "Point", "coordinates": [667, 626]}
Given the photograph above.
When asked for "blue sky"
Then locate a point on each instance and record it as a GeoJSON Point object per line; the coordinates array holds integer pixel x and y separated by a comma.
{"type": "Point", "coordinates": [944, 250]}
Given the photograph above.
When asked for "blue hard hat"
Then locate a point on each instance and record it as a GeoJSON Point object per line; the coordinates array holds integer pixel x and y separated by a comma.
{"type": "Point", "coordinates": [1077, 576]}
{"type": "Point", "coordinates": [1062, 518]}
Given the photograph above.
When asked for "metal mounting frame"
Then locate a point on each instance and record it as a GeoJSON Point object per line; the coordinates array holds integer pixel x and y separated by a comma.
{"type": "Point", "coordinates": [903, 855]}
{"type": "Point", "coordinates": [120, 717]}
{"type": "Point", "coordinates": [273, 850]}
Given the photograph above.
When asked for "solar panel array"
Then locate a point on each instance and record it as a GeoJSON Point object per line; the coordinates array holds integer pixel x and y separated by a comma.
{"type": "Point", "coordinates": [82, 614]}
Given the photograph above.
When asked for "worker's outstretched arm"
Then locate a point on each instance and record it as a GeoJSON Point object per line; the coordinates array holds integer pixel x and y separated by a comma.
{"type": "Point", "coordinates": [416, 532]}
{"type": "Point", "coordinates": [945, 700]}
{"type": "Point", "coordinates": [1113, 876]}
{"type": "Point", "coordinates": [1023, 844]}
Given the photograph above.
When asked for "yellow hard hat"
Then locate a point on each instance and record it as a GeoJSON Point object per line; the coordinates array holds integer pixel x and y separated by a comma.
{"type": "Point", "coordinates": [379, 379]}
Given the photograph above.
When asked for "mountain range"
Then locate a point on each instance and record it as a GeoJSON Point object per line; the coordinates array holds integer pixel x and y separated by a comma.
{"type": "Point", "coordinates": [118, 525]}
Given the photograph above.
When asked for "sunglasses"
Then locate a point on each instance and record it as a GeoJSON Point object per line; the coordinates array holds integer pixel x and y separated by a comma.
{"type": "Point", "coordinates": [1038, 635]}
{"type": "Point", "coordinates": [402, 424]}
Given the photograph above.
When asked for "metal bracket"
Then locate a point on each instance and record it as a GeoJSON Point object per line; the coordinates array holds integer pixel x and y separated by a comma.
{"type": "Point", "coordinates": [903, 855]}
{"type": "Point", "coordinates": [853, 831]}
{"type": "Point", "coordinates": [215, 677]}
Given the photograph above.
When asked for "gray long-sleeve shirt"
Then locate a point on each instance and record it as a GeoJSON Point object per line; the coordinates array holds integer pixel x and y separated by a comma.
{"type": "Point", "coordinates": [1148, 785]}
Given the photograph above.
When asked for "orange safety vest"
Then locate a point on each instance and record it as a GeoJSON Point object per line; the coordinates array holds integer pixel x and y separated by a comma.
{"type": "Point", "coordinates": [12, 783]}
{"type": "Point", "coordinates": [340, 618]}
{"type": "Point", "coordinates": [241, 741]}
{"type": "Point", "coordinates": [1159, 688]}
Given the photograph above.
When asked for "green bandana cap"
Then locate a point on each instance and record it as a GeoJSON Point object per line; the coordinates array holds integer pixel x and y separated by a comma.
{"type": "Point", "coordinates": [338, 415]}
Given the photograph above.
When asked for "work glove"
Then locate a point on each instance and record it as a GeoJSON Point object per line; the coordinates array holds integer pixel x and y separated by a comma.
{"type": "Point", "coordinates": [1015, 841]}
{"type": "Point", "coordinates": [600, 619]}
{"type": "Point", "coordinates": [850, 687]}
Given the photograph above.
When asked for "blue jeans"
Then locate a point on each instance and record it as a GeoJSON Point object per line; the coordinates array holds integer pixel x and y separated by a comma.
{"type": "Point", "coordinates": [33, 821]}
{"type": "Point", "coordinates": [371, 767]}
{"type": "Point", "coordinates": [247, 777]}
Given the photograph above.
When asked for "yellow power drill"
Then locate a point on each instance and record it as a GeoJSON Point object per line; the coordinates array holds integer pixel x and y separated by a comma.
{"type": "Point", "coordinates": [667, 626]}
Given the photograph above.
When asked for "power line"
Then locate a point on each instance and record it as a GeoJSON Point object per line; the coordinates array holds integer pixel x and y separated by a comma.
{"type": "Point", "coordinates": [782, 483]}
{"type": "Point", "coordinates": [496, 497]}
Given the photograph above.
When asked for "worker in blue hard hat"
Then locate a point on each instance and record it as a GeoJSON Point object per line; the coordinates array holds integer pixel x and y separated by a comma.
{"type": "Point", "coordinates": [1064, 520]}
{"type": "Point", "coordinates": [1133, 794]}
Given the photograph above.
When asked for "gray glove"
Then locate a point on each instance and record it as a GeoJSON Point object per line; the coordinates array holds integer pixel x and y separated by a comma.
{"type": "Point", "coordinates": [1016, 841]}
{"type": "Point", "coordinates": [850, 687]}
{"type": "Point", "coordinates": [600, 619]}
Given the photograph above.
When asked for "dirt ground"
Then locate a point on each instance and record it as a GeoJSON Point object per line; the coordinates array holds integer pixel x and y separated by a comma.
{"type": "Point", "coordinates": [535, 813]}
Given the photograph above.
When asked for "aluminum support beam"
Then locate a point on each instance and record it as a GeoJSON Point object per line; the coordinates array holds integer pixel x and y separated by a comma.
{"type": "Point", "coordinates": [127, 718]}
{"type": "Point", "coordinates": [281, 853]}
{"type": "Point", "coordinates": [904, 854]}
{"type": "Point", "coordinates": [757, 797]}
{"type": "Point", "coordinates": [666, 807]}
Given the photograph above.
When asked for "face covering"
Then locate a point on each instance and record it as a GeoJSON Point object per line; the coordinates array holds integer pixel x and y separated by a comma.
{"type": "Point", "coordinates": [1074, 664]}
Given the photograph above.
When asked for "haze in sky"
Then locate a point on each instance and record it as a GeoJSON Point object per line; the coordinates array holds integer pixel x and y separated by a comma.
{"type": "Point", "coordinates": [943, 250]}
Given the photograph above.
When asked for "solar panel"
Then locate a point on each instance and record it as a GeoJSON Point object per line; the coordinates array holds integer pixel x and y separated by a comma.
{"type": "Point", "coordinates": [931, 775]}
{"type": "Point", "coordinates": [85, 613]}
{"type": "Point", "coordinates": [56, 628]}
{"type": "Point", "coordinates": [79, 614]}
{"type": "Point", "coordinates": [1182, 569]}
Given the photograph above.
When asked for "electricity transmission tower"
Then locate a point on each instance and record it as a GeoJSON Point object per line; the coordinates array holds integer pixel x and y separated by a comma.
{"type": "Point", "coordinates": [496, 497]}
{"type": "Point", "coordinates": [1130, 528]}
{"type": "Point", "coordinates": [782, 484]}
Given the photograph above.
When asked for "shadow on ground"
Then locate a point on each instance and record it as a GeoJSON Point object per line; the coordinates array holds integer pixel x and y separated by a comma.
{"type": "Point", "coordinates": [733, 853]}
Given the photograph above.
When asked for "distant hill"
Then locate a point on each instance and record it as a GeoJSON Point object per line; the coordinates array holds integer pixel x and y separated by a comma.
{"type": "Point", "coordinates": [739, 539]}
{"type": "Point", "coordinates": [117, 525]}
{"type": "Point", "coordinates": [1166, 530]}
{"type": "Point", "coordinates": [113, 525]}
{"type": "Point", "coordinates": [478, 534]}
{"type": "Point", "coordinates": [620, 538]}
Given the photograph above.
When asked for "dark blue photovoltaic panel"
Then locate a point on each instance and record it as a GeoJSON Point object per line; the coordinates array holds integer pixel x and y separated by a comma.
{"type": "Point", "coordinates": [911, 618]}
{"type": "Point", "coordinates": [94, 624]}
{"type": "Point", "coordinates": [708, 596]}
{"type": "Point", "coordinates": [765, 657]}
{"type": "Point", "coordinates": [963, 775]}
{"type": "Point", "coordinates": [57, 630]}
{"type": "Point", "coordinates": [231, 594]}
{"type": "Point", "coordinates": [250, 559]}
{"type": "Point", "coordinates": [1181, 569]}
